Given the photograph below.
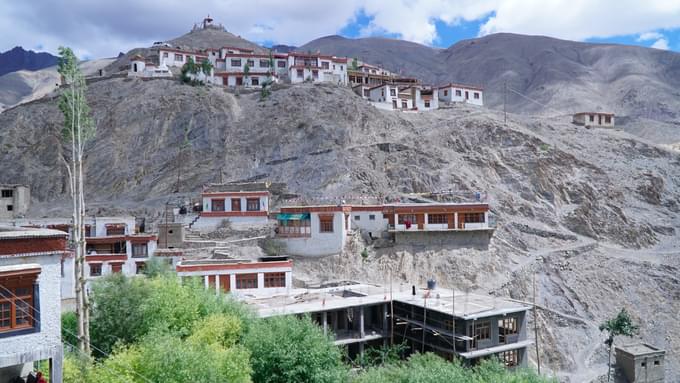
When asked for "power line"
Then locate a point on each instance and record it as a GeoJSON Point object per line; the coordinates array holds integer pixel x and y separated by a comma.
{"type": "Point", "coordinates": [535, 101]}
{"type": "Point", "coordinates": [71, 333]}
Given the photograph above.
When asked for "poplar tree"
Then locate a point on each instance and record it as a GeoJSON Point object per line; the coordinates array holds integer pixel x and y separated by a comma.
{"type": "Point", "coordinates": [78, 129]}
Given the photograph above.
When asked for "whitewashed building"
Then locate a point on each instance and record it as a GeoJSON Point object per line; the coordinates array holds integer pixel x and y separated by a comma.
{"type": "Point", "coordinates": [30, 301]}
{"type": "Point", "coordinates": [313, 230]}
{"type": "Point", "coordinates": [113, 245]}
{"type": "Point", "coordinates": [314, 67]}
{"type": "Point", "coordinates": [461, 93]}
{"type": "Point", "coordinates": [139, 67]}
{"type": "Point", "coordinates": [234, 275]}
{"type": "Point", "coordinates": [173, 57]}
{"type": "Point", "coordinates": [14, 200]}
{"type": "Point", "coordinates": [594, 119]}
{"type": "Point", "coordinates": [242, 204]}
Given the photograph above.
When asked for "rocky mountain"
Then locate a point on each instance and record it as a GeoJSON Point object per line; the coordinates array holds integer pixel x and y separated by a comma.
{"type": "Point", "coordinates": [592, 213]}
{"type": "Point", "coordinates": [18, 58]}
{"type": "Point", "coordinates": [545, 76]}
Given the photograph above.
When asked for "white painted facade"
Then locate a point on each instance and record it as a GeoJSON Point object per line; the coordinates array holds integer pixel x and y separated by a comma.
{"type": "Point", "coordinates": [319, 243]}
{"type": "Point", "coordinates": [14, 200]}
{"type": "Point", "coordinates": [19, 350]}
{"type": "Point", "coordinates": [371, 221]}
{"type": "Point", "coordinates": [387, 94]}
{"type": "Point", "coordinates": [171, 57]}
{"type": "Point", "coordinates": [461, 93]}
{"type": "Point", "coordinates": [317, 68]}
{"type": "Point", "coordinates": [594, 119]}
{"type": "Point", "coordinates": [212, 216]}
{"type": "Point", "coordinates": [212, 273]}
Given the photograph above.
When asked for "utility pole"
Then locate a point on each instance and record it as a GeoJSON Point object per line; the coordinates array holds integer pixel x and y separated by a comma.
{"type": "Point", "coordinates": [538, 355]}
{"type": "Point", "coordinates": [453, 323]}
{"type": "Point", "coordinates": [422, 346]}
{"type": "Point", "coordinates": [391, 312]}
{"type": "Point", "coordinates": [505, 100]}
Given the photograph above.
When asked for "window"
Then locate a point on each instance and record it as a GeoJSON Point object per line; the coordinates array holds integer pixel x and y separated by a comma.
{"type": "Point", "coordinates": [255, 81]}
{"type": "Point", "coordinates": [141, 266]}
{"type": "Point", "coordinates": [467, 95]}
{"type": "Point", "coordinates": [382, 93]}
{"type": "Point", "coordinates": [643, 364]}
{"type": "Point", "coordinates": [476, 96]}
{"type": "Point", "coordinates": [608, 119]}
{"type": "Point", "coordinates": [403, 218]}
{"type": "Point", "coordinates": [7, 193]}
{"type": "Point", "coordinates": [404, 104]}
{"type": "Point", "coordinates": [16, 302]}
{"type": "Point", "coordinates": [300, 73]}
{"type": "Point", "coordinates": [253, 204]}
{"type": "Point", "coordinates": [437, 219]}
{"type": "Point", "coordinates": [367, 93]}
{"type": "Point", "coordinates": [140, 250]}
{"type": "Point", "coordinates": [371, 217]}
{"type": "Point", "coordinates": [446, 92]}
{"type": "Point", "coordinates": [480, 331]}
{"type": "Point", "coordinates": [341, 67]}
{"type": "Point", "coordinates": [10, 207]}
{"type": "Point", "coordinates": [427, 104]}
{"type": "Point", "coordinates": [507, 326]}
{"type": "Point", "coordinates": [357, 218]}
{"type": "Point", "coordinates": [116, 267]}
{"type": "Point", "coordinates": [217, 205]}
{"type": "Point", "coordinates": [165, 55]}
{"type": "Point", "coordinates": [592, 118]}
{"type": "Point", "coordinates": [315, 73]}
{"type": "Point", "coordinates": [179, 57]}
{"type": "Point", "coordinates": [246, 281]}
{"type": "Point", "coordinates": [115, 229]}
{"type": "Point", "coordinates": [235, 62]}
{"type": "Point", "coordinates": [656, 362]}
{"type": "Point", "coordinates": [95, 269]}
{"type": "Point", "coordinates": [473, 217]}
{"type": "Point", "coordinates": [264, 64]}
{"type": "Point", "coordinates": [325, 65]}
{"type": "Point", "coordinates": [250, 62]}
{"type": "Point", "coordinates": [274, 279]}
{"type": "Point", "coordinates": [458, 93]}
{"type": "Point", "coordinates": [393, 92]}
{"type": "Point", "coordinates": [235, 204]}
{"type": "Point", "coordinates": [294, 228]}
{"type": "Point", "coordinates": [509, 358]}
{"type": "Point", "coordinates": [325, 223]}
{"type": "Point", "coordinates": [281, 64]}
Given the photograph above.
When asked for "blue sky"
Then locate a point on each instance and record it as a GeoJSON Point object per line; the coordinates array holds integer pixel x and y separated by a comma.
{"type": "Point", "coordinates": [103, 29]}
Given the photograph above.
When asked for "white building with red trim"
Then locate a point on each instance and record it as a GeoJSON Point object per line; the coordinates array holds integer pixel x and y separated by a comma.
{"type": "Point", "coordinates": [315, 67]}
{"type": "Point", "coordinates": [313, 230]}
{"type": "Point", "coordinates": [236, 206]}
{"type": "Point", "coordinates": [113, 245]}
{"type": "Point", "coordinates": [174, 57]}
{"type": "Point", "coordinates": [243, 276]}
{"type": "Point", "coordinates": [30, 301]}
{"type": "Point", "coordinates": [461, 93]}
{"type": "Point", "coordinates": [231, 63]}
{"type": "Point", "coordinates": [142, 68]}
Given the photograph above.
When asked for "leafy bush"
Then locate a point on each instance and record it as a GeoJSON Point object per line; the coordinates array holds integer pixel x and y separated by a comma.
{"type": "Point", "coordinates": [290, 349]}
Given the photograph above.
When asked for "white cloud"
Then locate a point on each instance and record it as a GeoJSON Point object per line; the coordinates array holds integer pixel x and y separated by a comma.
{"type": "Point", "coordinates": [100, 29]}
{"type": "Point", "coordinates": [649, 36]}
{"type": "Point", "coordinates": [660, 44]}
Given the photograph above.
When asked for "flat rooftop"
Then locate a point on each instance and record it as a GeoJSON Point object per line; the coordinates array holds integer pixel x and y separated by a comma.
{"type": "Point", "coordinates": [639, 349]}
{"type": "Point", "coordinates": [468, 306]}
{"type": "Point", "coordinates": [12, 232]}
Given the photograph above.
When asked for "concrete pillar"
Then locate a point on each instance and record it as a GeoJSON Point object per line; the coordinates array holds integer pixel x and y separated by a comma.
{"type": "Point", "coordinates": [455, 219]}
{"type": "Point", "coordinates": [384, 322]}
{"type": "Point", "coordinates": [260, 280]}
{"type": "Point", "coordinates": [205, 282]}
{"type": "Point", "coordinates": [232, 281]}
{"type": "Point", "coordinates": [217, 284]}
{"type": "Point", "coordinates": [324, 318]}
{"type": "Point", "coordinates": [289, 279]}
{"type": "Point", "coordinates": [362, 331]}
{"type": "Point", "coordinates": [56, 365]}
{"type": "Point", "coordinates": [486, 219]}
{"type": "Point", "coordinates": [425, 221]}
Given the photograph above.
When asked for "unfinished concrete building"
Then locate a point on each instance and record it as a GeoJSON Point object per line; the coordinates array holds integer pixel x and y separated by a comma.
{"type": "Point", "coordinates": [14, 200]}
{"type": "Point", "coordinates": [361, 316]}
{"type": "Point", "coordinates": [641, 363]}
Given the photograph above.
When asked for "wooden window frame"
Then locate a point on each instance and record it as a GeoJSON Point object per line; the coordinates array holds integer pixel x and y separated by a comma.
{"type": "Point", "coordinates": [179, 57]}
{"type": "Point", "coordinates": [476, 95]}
{"type": "Point", "coordinates": [264, 63]}
{"type": "Point", "coordinates": [427, 104]}
{"type": "Point", "coordinates": [235, 202]}
{"type": "Point", "coordinates": [140, 267]}
{"type": "Point", "coordinates": [255, 81]}
{"type": "Point", "coordinates": [219, 201]}
{"type": "Point", "coordinates": [116, 268]}
{"type": "Point", "coordinates": [144, 254]}
{"type": "Point", "coordinates": [235, 63]}
{"type": "Point", "coordinates": [509, 358]}
{"type": "Point", "coordinates": [250, 63]}
{"type": "Point", "coordinates": [401, 219]}
{"type": "Point", "coordinates": [437, 219]}
{"type": "Point", "coordinates": [250, 201]}
{"type": "Point", "coordinates": [281, 64]}
{"type": "Point", "coordinates": [246, 281]}
{"type": "Point", "coordinates": [23, 296]}
{"type": "Point", "coordinates": [326, 224]}
{"type": "Point", "coordinates": [459, 93]}
{"type": "Point", "coordinates": [7, 193]}
{"type": "Point", "coordinates": [296, 228]}
{"type": "Point", "coordinates": [474, 218]}
{"type": "Point", "coordinates": [95, 269]}
{"type": "Point", "coordinates": [277, 279]}
{"type": "Point", "coordinates": [115, 229]}
{"type": "Point", "coordinates": [300, 73]}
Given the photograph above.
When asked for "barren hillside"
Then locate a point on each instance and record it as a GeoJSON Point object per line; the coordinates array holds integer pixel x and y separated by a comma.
{"type": "Point", "coordinates": [593, 212]}
{"type": "Point", "coordinates": [639, 84]}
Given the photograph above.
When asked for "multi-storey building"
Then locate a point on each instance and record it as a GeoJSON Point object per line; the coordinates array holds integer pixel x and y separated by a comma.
{"type": "Point", "coordinates": [30, 301]}
{"type": "Point", "coordinates": [14, 200]}
{"type": "Point", "coordinates": [461, 93]}
{"type": "Point", "coordinates": [313, 230]}
{"type": "Point", "coordinates": [315, 67]}
{"type": "Point", "coordinates": [239, 203]}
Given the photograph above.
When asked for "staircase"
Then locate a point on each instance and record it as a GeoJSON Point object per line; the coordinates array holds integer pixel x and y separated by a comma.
{"type": "Point", "coordinates": [193, 221]}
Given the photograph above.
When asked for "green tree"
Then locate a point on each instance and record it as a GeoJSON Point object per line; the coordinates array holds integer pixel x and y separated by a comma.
{"type": "Point", "coordinates": [355, 64]}
{"type": "Point", "coordinates": [621, 324]}
{"type": "Point", "coordinates": [206, 67]}
{"type": "Point", "coordinates": [246, 72]}
{"type": "Point", "coordinates": [290, 349]}
{"type": "Point", "coordinates": [78, 129]}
